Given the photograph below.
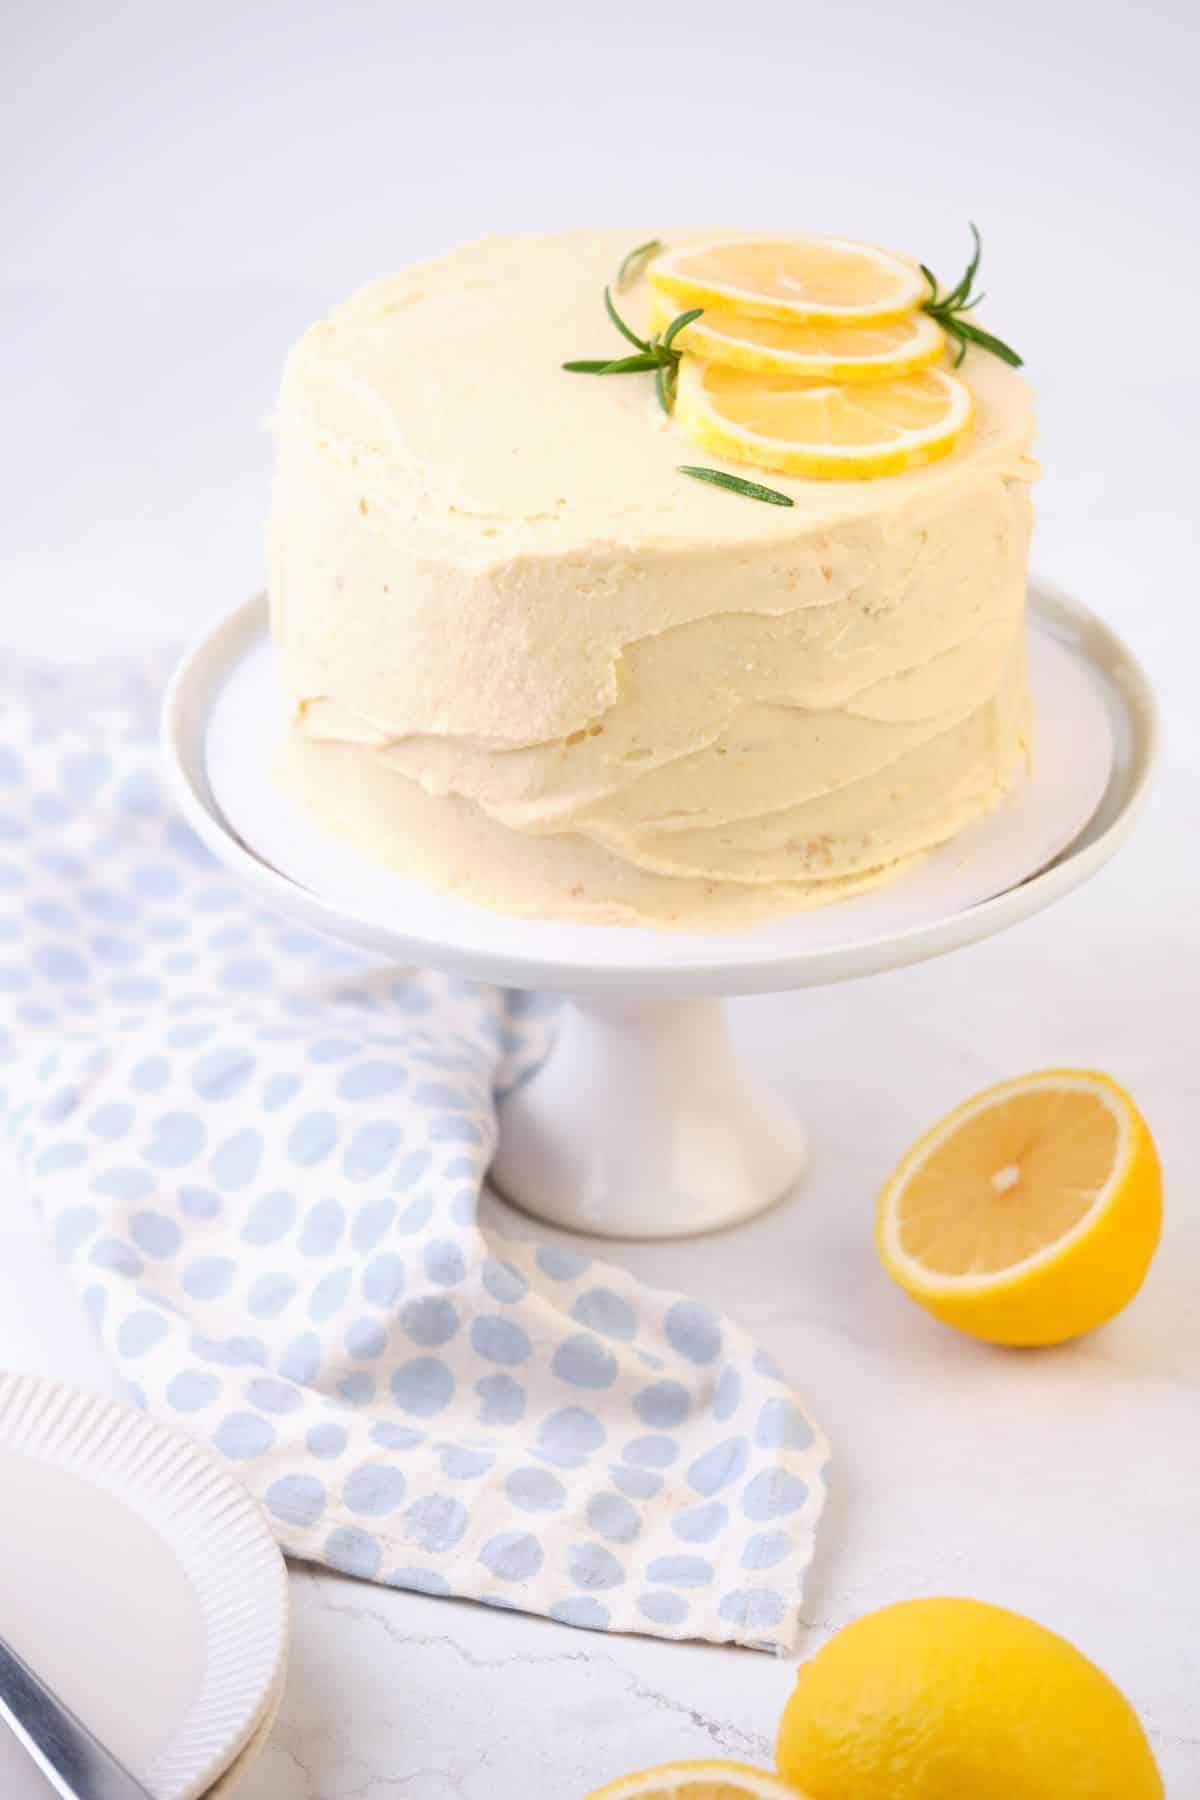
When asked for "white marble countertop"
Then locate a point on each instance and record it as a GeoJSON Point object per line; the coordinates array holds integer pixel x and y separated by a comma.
{"type": "Point", "coordinates": [203, 182]}
{"type": "Point", "coordinates": [1063, 1483]}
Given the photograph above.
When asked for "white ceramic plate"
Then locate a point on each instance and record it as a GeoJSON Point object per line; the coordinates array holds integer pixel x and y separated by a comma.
{"type": "Point", "coordinates": [141, 1580]}
{"type": "Point", "coordinates": [237, 1771]}
{"type": "Point", "coordinates": [1096, 735]}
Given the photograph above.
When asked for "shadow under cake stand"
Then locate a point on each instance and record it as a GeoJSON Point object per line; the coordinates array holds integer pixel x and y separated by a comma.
{"type": "Point", "coordinates": [642, 1122]}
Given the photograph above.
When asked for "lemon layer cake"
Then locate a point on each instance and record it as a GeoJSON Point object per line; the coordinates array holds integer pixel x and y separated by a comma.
{"type": "Point", "coordinates": [529, 661]}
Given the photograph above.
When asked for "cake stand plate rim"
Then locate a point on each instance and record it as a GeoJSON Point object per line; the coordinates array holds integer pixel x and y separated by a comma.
{"type": "Point", "coordinates": [590, 958]}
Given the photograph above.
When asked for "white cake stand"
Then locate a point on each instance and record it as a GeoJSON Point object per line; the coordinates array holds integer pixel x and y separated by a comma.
{"type": "Point", "coordinates": [642, 1122]}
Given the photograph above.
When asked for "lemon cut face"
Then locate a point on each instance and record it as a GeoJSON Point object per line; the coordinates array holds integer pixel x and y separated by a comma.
{"type": "Point", "coordinates": [1029, 1215]}
{"type": "Point", "coordinates": [828, 350]}
{"type": "Point", "coordinates": [715, 1780]}
{"type": "Point", "coordinates": [794, 279]}
{"type": "Point", "coordinates": [823, 429]}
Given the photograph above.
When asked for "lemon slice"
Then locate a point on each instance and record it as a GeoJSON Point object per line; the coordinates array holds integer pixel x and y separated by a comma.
{"type": "Point", "coordinates": [699, 1781]}
{"type": "Point", "coordinates": [824, 348]}
{"type": "Point", "coordinates": [1031, 1214]}
{"type": "Point", "coordinates": [830, 430]}
{"type": "Point", "coordinates": [793, 279]}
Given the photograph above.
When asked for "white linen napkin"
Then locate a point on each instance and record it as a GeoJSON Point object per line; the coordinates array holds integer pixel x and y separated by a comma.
{"type": "Point", "coordinates": [260, 1156]}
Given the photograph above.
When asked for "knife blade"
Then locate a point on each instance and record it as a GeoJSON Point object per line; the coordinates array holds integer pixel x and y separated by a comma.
{"type": "Point", "coordinates": [67, 1753]}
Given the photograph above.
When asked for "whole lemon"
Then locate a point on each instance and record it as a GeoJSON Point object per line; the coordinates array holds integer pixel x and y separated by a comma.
{"type": "Point", "coordinates": [956, 1700]}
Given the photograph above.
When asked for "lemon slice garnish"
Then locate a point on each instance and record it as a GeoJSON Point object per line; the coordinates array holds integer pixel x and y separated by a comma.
{"type": "Point", "coordinates": [830, 430]}
{"type": "Point", "coordinates": [794, 279]}
{"type": "Point", "coordinates": [1031, 1214]}
{"type": "Point", "coordinates": [827, 349]}
{"type": "Point", "coordinates": [710, 1780]}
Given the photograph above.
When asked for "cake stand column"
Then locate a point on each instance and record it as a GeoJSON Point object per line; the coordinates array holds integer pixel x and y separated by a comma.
{"type": "Point", "coordinates": [643, 1123]}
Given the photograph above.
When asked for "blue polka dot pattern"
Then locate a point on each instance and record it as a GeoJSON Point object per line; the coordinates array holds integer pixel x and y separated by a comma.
{"type": "Point", "coordinates": [503, 1282]}
{"type": "Point", "coordinates": [437, 1523]}
{"type": "Point", "coordinates": [663, 1607]}
{"type": "Point", "coordinates": [663, 1405]}
{"type": "Point", "coordinates": [375, 1489]}
{"type": "Point", "coordinates": [259, 1154]}
{"type": "Point", "coordinates": [584, 1362]}
{"type": "Point", "coordinates": [326, 1440]}
{"type": "Point", "coordinates": [767, 1549]}
{"type": "Point", "coordinates": [638, 1484]}
{"type": "Point", "coordinates": [614, 1518]}
{"type": "Point", "coordinates": [269, 1294]}
{"type": "Point", "coordinates": [681, 1571]}
{"type": "Point", "coordinates": [424, 1386]}
{"type": "Point", "coordinates": [296, 1500]}
{"type": "Point", "coordinates": [272, 1396]}
{"type": "Point", "coordinates": [652, 1452]}
{"type": "Point", "coordinates": [592, 1566]}
{"type": "Point", "coordinates": [461, 1463]}
{"type": "Point", "coordinates": [512, 1555]}
{"type": "Point", "coordinates": [720, 1466]}
{"type": "Point", "coordinates": [430, 1321]}
{"type": "Point", "coordinates": [191, 1391]}
{"type": "Point", "coordinates": [535, 1490]}
{"type": "Point", "coordinates": [353, 1552]}
{"type": "Point", "coordinates": [701, 1524]}
{"type": "Point", "coordinates": [569, 1437]}
{"type": "Point", "coordinates": [501, 1400]}
{"type": "Point", "coordinates": [236, 1163]}
{"type": "Point", "coordinates": [606, 1312]}
{"type": "Point", "coordinates": [694, 1331]}
{"type": "Point", "coordinates": [365, 1339]}
{"type": "Point", "coordinates": [244, 1435]}
{"type": "Point", "coordinates": [419, 1581]}
{"type": "Point", "coordinates": [772, 1494]}
{"type": "Point", "coordinates": [781, 1423]}
{"type": "Point", "coordinates": [499, 1340]}
{"type": "Point", "coordinates": [383, 1279]}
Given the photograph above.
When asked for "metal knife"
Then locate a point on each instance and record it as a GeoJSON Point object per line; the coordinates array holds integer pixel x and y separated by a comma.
{"type": "Point", "coordinates": [61, 1745]}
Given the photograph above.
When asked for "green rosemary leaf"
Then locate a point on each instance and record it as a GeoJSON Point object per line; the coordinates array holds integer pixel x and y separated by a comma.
{"type": "Point", "coordinates": [631, 336]}
{"type": "Point", "coordinates": [629, 365]}
{"type": "Point", "coordinates": [677, 325]}
{"type": "Point", "coordinates": [986, 341]}
{"type": "Point", "coordinates": [957, 297]}
{"type": "Point", "coordinates": [948, 310]}
{"type": "Point", "coordinates": [632, 264]}
{"type": "Point", "coordinates": [624, 365]}
{"type": "Point", "coordinates": [661, 388]}
{"type": "Point", "coordinates": [753, 490]}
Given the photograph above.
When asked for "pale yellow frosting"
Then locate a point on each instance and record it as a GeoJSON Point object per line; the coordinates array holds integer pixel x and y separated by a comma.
{"type": "Point", "coordinates": [528, 660]}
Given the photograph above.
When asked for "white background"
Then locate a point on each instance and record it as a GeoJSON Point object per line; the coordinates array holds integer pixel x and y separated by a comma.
{"type": "Point", "coordinates": [185, 186]}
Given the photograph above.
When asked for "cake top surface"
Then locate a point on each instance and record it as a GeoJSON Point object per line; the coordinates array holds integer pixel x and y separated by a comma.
{"type": "Point", "coordinates": [440, 392]}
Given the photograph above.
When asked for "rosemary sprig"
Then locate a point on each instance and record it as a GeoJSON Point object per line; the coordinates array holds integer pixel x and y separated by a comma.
{"type": "Point", "coordinates": [632, 265]}
{"type": "Point", "coordinates": [656, 353]}
{"type": "Point", "coordinates": [753, 490]}
{"type": "Point", "coordinates": [948, 309]}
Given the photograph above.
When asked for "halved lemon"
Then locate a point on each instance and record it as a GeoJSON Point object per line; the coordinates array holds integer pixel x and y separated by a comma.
{"type": "Point", "coordinates": [1029, 1215]}
{"type": "Point", "coordinates": [825, 348]}
{"type": "Point", "coordinates": [793, 279]}
{"type": "Point", "coordinates": [830, 430]}
{"type": "Point", "coordinates": [699, 1781]}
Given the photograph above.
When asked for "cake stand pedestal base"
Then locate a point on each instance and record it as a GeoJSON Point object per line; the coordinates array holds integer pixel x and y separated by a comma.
{"type": "Point", "coordinates": [643, 1123]}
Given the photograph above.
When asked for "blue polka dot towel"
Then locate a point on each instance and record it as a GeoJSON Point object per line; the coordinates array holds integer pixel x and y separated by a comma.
{"type": "Point", "coordinates": [260, 1157]}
